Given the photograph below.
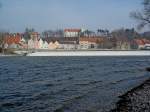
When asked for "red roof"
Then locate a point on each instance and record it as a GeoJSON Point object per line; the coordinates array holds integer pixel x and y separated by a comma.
{"type": "Point", "coordinates": [91, 39]}
{"type": "Point", "coordinates": [72, 30]}
{"type": "Point", "coordinates": [142, 41]}
{"type": "Point", "coordinates": [10, 39]}
{"type": "Point", "coordinates": [146, 41]}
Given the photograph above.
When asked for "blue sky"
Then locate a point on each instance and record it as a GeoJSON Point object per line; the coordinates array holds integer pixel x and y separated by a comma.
{"type": "Point", "coordinates": [16, 15]}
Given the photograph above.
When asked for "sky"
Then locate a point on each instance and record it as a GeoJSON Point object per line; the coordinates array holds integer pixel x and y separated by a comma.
{"type": "Point", "coordinates": [16, 15]}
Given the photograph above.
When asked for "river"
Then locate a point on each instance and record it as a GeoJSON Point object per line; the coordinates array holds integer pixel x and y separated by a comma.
{"type": "Point", "coordinates": [67, 84]}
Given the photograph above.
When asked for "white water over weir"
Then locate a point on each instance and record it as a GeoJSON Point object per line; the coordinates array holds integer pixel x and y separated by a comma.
{"type": "Point", "coordinates": [91, 53]}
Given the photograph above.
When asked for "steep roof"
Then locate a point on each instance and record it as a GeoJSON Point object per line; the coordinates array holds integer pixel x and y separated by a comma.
{"type": "Point", "coordinates": [12, 39]}
{"type": "Point", "coordinates": [146, 41]}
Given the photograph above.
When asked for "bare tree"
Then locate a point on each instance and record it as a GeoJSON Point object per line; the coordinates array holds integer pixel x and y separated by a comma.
{"type": "Point", "coordinates": [3, 34]}
{"type": "Point", "coordinates": [1, 38]}
{"type": "Point", "coordinates": [27, 33]}
{"type": "Point", "coordinates": [52, 33]}
{"type": "Point", "coordinates": [142, 16]}
{"type": "Point", "coordinates": [128, 34]}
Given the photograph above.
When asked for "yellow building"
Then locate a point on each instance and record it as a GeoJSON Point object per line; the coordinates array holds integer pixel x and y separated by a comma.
{"type": "Point", "coordinates": [53, 45]}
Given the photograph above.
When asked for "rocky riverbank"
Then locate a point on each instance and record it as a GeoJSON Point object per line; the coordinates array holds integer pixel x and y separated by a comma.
{"type": "Point", "coordinates": [136, 100]}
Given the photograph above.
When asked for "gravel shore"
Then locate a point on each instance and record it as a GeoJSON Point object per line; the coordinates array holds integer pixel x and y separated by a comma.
{"type": "Point", "coordinates": [136, 100]}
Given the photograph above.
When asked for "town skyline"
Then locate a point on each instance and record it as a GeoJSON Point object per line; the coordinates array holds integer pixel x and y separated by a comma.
{"type": "Point", "coordinates": [55, 14]}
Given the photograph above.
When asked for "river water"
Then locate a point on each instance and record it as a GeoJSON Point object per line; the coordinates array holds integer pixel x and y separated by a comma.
{"type": "Point", "coordinates": [67, 84]}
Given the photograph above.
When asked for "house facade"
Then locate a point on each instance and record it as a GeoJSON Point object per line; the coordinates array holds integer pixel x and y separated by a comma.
{"type": "Point", "coordinates": [53, 45]}
{"type": "Point", "coordinates": [45, 45]}
{"type": "Point", "coordinates": [31, 44]}
{"type": "Point", "coordinates": [40, 44]}
{"type": "Point", "coordinates": [35, 36]}
{"type": "Point", "coordinates": [123, 45]}
{"type": "Point", "coordinates": [89, 42]}
{"type": "Point", "coordinates": [68, 45]}
{"type": "Point", "coordinates": [147, 46]}
{"type": "Point", "coordinates": [62, 43]}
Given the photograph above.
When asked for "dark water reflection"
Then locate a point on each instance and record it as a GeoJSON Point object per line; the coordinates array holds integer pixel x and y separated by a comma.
{"type": "Point", "coordinates": [67, 84]}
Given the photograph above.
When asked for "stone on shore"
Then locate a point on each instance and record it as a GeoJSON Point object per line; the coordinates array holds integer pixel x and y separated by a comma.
{"type": "Point", "coordinates": [136, 100]}
{"type": "Point", "coordinates": [148, 69]}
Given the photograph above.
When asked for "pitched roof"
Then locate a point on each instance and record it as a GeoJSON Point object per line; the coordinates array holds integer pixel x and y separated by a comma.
{"type": "Point", "coordinates": [142, 41]}
{"type": "Point", "coordinates": [10, 39]}
{"type": "Point", "coordinates": [91, 39]}
{"type": "Point", "coordinates": [146, 41]}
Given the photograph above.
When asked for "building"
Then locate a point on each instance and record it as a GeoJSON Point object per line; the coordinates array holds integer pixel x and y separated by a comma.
{"type": "Point", "coordinates": [62, 42]}
{"type": "Point", "coordinates": [40, 44]}
{"type": "Point", "coordinates": [23, 43]}
{"type": "Point", "coordinates": [45, 45]}
{"type": "Point", "coordinates": [89, 42]}
{"type": "Point", "coordinates": [13, 41]}
{"type": "Point", "coordinates": [123, 45]}
{"type": "Point", "coordinates": [147, 46]}
{"type": "Point", "coordinates": [31, 44]}
{"type": "Point", "coordinates": [53, 45]}
{"type": "Point", "coordinates": [72, 32]}
{"type": "Point", "coordinates": [137, 44]}
{"type": "Point", "coordinates": [68, 45]}
{"type": "Point", "coordinates": [141, 43]}
{"type": "Point", "coordinates": [35, 36]}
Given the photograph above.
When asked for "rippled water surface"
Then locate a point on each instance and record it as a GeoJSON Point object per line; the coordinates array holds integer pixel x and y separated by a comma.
{"type": "Point", "coordinates": [67, 84]}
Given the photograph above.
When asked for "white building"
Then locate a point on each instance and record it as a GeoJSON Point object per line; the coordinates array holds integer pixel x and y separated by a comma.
{"type": "Point", "coordinates": [147, 46]}
{"type": "Point", "coordinates": [40, 43]}
{"type": "Point", "coordinates": [68, 45]}
{"type": "Point", "coordinates": [89, 43]}
{"type": "Point", "coordinates": [45, 45]}
{"type": "Point", "coordinates": [72, 32]}
{"type": "Point", "coordinates": [31, 44]}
